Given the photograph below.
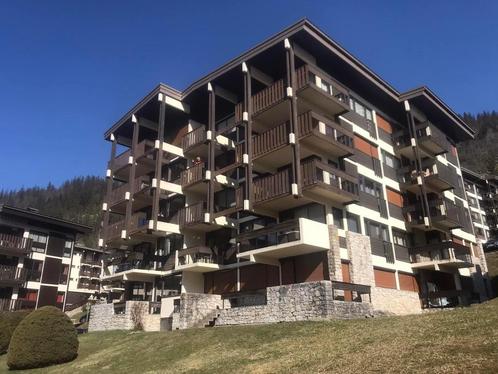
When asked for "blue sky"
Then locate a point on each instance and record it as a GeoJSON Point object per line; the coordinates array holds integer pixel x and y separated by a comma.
{"type": "Point", "coordinates": [69, 69]}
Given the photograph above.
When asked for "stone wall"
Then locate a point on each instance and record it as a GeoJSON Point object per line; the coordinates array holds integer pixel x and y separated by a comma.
{"type": "Point", "coordinates": [395, 301]}
{"type": "Point", "coordinates": [360, 255]}
{"type": "Point", "coordinates": [295, 302]}
{"type": "Point", "coordinates": [196, 309]}
{"type": "Point", "coordinates": [334, 255]}
{"type": "Point", "coordinates": [104, 317]}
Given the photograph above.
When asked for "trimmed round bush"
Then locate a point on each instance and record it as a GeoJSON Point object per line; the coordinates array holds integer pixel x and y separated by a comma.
{"type": "Point", "coordinates": [8, 323]}
{"type": "Point", "coordinates": [45, 337]}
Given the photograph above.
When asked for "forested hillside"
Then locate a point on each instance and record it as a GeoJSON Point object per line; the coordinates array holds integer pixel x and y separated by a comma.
{"type": "Point", "coordinates": [481, 154]}
{"type": "Point", "coordinates": [79, 199]}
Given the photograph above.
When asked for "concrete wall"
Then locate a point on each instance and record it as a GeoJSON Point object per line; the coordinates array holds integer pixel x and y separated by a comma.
{"type": "Point", "coordinates": [295, 302]}
{"type": "Point", "coordinates": [103, 317]}
{"type": "Point", "coordinates": [395, 301]}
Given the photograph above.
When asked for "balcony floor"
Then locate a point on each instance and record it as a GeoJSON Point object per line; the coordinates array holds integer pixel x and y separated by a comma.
{"type": "Point", "coordinates": [199, 267]}
{"type": "Point", "coordinates": [314, 97]}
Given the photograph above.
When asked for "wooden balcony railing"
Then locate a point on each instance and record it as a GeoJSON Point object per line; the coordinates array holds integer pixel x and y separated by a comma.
{"type": "Point", "coordinates": [315, 171]}
{"type": "Point", "coordinates": [441, 251]}
{"type": "Point", "coordinates": [438, 208]}
{"type": "Point", "coordinates": [193, 138]}
{"type": "Point", "coordinates": [192, 214]}
{"type": "Point", "coordinates": [272, 186]}
{"type": "Point", "coordinates": [12, 273]}
{"type": "Point", "coordinates": [192, 175]}
{"type": "Point", "coordinates": [118, 194]}
{"type": "Point", "coordinates": [15, 244]}
{"type": "Point", "coordinates": [430, 131]}
{"type": "Point", "coordinates": [196, 254]}
{"type": "Point", "coordinates": [143, 148]}
{"type": "Point", "coordinates": [137, 222]}
{"type": "Point", "coordinates": [18, 304]}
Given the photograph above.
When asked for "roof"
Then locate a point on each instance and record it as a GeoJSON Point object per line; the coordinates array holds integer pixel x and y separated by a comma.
{"type": "Point", "coordinates": [85, 248]}
{"type": "Point", "coordinates": [422, 94]}
{"type": "Point", "coordinates": [42, 218]}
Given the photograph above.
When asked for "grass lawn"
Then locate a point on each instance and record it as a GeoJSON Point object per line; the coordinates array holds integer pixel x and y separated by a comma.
{"type": "Point", "coordinates": [462, 340]}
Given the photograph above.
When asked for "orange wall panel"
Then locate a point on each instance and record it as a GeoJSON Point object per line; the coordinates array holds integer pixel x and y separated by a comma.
{"type": "Point", "coordinates": [365, 147]}
{"type": "Point", "coordinates": [394, 197]}
{"type": "Point", "coordinates": [408, 282]}
{"type": "Point", "coordinates": [384, 125]}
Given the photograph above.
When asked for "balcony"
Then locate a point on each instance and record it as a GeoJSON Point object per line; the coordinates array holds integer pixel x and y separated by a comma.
{"type": "Point", "coordinates": [13, 245]}
{"type": "Point", "coordinates": [441, 255]}
{"type": "Point", "coordinates": [194, 143]}
{"type": "Point", "coordinates": [119, 196]}
{"type": "Point", "coordinates": [437, 177]}
{"type": "Point", "coordinates": [430, 140]}
{"type": "Point", "coordinates": [315, 88]}
{"type": "Point", "coordinates": [319, 181]}
{"type": "Point", "coordinates": [193, 179]}
{"type": "Point", "coordinates": [89, 286]}
{"type": "Point", "coordinates": [117, 232]}
{"type": "Point", "coordinates": [200, 259]}
{"type": "Point", "coordinates": [317, 134]}
{"type": "Point", "coordinates": [11, 275]}
{"type": "Point", "coordinates": [135, 271]}
{"type": "Point", "coordinates": [144, 158]}
{"type": "Point", "coordinates": [286, 239]}
{"type": "Point", "coordinates": [196, 218]}
{"type": "Point", "coordinates": [18, 304]}
{"type": "Point", "coordinates": [444, 215]}
{"type": "Point", "coordinates": [91, 261]}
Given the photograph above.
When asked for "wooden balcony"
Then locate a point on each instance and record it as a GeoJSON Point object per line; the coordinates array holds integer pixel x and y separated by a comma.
{"type": "Point", "coordinates": [444, 215]}
{"type": "Point", "coordinates": [193, 179]}
{"type": "Point", "coordinates": [118, 198]}
{"type": "Point", "coordinates": [199, 259]}
{"type": "Point", "coordinates": [18, 304]}
{"type": "Point", "coordinates": [194, 217]}
{"type": "Point", "coordinates": [116, 233]}
{"type": "Point", "coordinates": [315, 90]}
{"type": "Point", "coordinates": [11, 275]}
{"type": "Point", "coordinates": [194, 143]}
{"type": "Point", "coordinates": [320, 181]}
{"type": "Point", "coordinates": [445, 254]}
{"type": "Point", "coordinates": [430, 139]}
{"type": "Point", "coordinates": [286, 239]}
{"type": "Point", "coordinates": [317, 134]}
{"type": "Point", "coordinates": [144, 158]}
{"type": "Point", "coordinates": [437, 177]}
{"type": "Point", "coordinates": [13, 245]}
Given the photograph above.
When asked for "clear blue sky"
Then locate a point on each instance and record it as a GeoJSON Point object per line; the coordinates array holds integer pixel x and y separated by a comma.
{"type": "Point", "coordinates": [69, 69]}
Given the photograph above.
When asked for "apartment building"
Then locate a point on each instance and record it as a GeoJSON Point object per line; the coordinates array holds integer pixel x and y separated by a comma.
{"type": "Point", "coordinates": [292, 169]}
{"type": "Point", "coordinates": [482, 197]}
{"type": "Point", "coordinates": [35, 257]}
{"type": "Point", "coordinates": [84, 276]}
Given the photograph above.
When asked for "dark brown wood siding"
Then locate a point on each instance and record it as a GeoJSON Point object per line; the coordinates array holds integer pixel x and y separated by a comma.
{"type": "Point", "coordinates": [52, 269]}
{"type": "Point", "coordinates": [48, 296]}
{"type": "Point", "coordinates": [306, 268]}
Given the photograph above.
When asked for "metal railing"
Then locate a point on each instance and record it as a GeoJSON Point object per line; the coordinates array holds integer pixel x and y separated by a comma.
{"type": "Point", "coordinates": [12, 273]}
{"type": "Point", "coordinates": [275, 234]}
{"type": "Point", "coordinates": [446, 250]}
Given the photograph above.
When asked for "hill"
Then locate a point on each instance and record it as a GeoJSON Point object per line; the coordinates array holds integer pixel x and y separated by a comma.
{"type": "Point", "coordinates": [481, 154]}
{"type": "Point", "coordinates": [79, 199]}
{"type": "Point", "coordinates": [461, 340]}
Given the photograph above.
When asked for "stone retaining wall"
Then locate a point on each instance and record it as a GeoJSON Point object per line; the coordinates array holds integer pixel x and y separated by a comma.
{"type": "Point", "coordinates": [295, 302]}
{"type": "Point", "coordinates": [195, 310]}
{"type": "Point", "coordinates": [393, 301]}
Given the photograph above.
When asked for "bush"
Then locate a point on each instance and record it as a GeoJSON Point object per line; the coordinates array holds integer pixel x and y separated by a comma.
{"type": "Point", "coordinates": [8, 323]}
{"type": "Point", "coordinates": [45, 337]}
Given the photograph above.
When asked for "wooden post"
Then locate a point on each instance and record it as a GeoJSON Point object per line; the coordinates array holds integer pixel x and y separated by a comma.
{"type": "Point", "coordinates": [109, 177]}
{"type": "Point", "coordinates": [131, 175]}
{"type": "Point", "coordinates": [248, 190]}
{"type": "Point", "coordinates": [159, 159]}
{"type": "Point", "coordinates": [211, 149]}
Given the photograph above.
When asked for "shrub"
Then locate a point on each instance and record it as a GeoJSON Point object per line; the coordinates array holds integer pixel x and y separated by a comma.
{"type": "Point", "coordinates": [8, 323]}
{"type": "Point", "coordinates": [45, 337]}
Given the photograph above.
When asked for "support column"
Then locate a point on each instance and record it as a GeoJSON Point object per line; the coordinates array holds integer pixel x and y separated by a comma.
{"type": "Point", "coordinates": [211, 150]}
{"type": "Point", "coordinates": [131, 175]}
{"type": "Point", "coordinates": [159, 159]}
{"type": "Point", "coordinates": [109, 177]}
{"type": "Point", "coordinates": [296, 186]}
{"type": "Point", "coordinates": [248, 154]}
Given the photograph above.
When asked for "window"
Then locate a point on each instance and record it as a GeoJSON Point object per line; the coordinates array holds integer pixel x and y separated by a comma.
{"type": "Point", "coordinates": [370, 187]}
{"type": "Point", "coordinates": [376, 230]}
{"type": "Point", "coordinates": [39, 242]}
{"type": "Point", "coordinates": [68, 246]}
{"type": "Point", "coordinates": [360, 109]}
{"type": "Point", "coordinates": [390, 160]}
{"type": "Point", "coordinates": [353, 222]}
{"type": "Point", "coordinates": [400, 238]}
{"type": "Point", "coordinates": [314, 212]}
{"type": "Point", "coordinates": [338, 218]}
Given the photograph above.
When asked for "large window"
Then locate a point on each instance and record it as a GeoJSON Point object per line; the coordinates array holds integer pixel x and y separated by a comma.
{"type": "Point", "coordinates": [314, 211]}
{"type": "Point", "coordinates": [390, 160]}
{"type": "Point", "coordinates": [400, 238]}
{"type": "Point", "coordinates": [370, 187]}
{"type": "Point", "coordinates": [360, 109]}
{"type": "Point", "coordinates": [39, 241]}
{"type": "Point", "coordinates": [338, 218]}
{"type": "Point", "coordinates": [353, 222]}
{"type": "Point", "coordinates": [376, 230]}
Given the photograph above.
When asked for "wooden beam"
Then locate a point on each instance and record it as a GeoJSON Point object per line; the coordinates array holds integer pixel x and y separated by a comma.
{"type": "Point", "coordinates": [303, 55]}
{"type": "Point", "coordinates": [260, 76]}
{"type": "Point", "coordinates": [225, 94]}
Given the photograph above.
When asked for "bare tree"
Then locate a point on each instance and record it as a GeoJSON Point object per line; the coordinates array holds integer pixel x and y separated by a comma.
{"type": "Point", "coordinates": [136, 313]}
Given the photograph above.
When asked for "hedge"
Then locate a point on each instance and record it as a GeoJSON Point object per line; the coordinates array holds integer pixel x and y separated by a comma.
{"type": "Point", "coordinates": [8, 323]}
{"type": "Point", "coordinates": [45, 337]}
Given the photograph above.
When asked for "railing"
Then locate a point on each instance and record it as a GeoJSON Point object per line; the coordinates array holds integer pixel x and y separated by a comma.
{"type": "Point", "coordinates": [271, 139]}
{"type": "Point", "coordinates": [192, 214]}
{"type": "Point", "coordinates": [9, 273]}
{"type": "Point", "coordinates": [359, 289]}
{"type": "Point", "coordinates": [279, 233]}
{"type": "Point", "coordinates": [442, 171]}
{"type": "Point", "coordinates": [137, 221]}
{"type": "Point", "coordinates": [118, 194]}
{"type": "Point", "coordinates": [446, 250]}
{"type": "Point", "coordinates": [309, 122]}
{"type": "Point", "coordinates": [195, 255]}
{"type": "Point", "coordinates": [438, 209]}
{"type": "Point", "coordinates": [192, 175]}
{"type": "Point", "coordinates": [193, 138]}
{"type": "Point", "coordinates": [427, 129]}
{"type": "Point", "coordinates": [307, 74]}
{"type": "Point", "coordinates": [14, 242]}
{"type": "Point", "coordinates": [272, 186]}
{"type": "Point", "coordinates": [18, 304]}
{"type": "Point", "coordinates": [90, 261]}
{"type": "Point", "coordinates": [315, 171]}
{"type": "Point", "coordinates": [123, 159]}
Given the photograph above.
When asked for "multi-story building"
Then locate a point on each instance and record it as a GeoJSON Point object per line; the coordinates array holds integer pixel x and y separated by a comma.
{"type": "Point", "coordinates": [482, 197]}
{"type": "Point", "coordinates": [35, 258]}
{"type": "Point", "coordinates": [293, 163]}
{"type": "Point", "coordinates": [84, 275]}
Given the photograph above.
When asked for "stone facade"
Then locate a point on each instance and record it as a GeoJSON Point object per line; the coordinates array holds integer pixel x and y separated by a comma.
{"type": "Point", "coordinates": [105, 317]}
{"type": "Point", "coordinates": [295, 302]}
{"type": "Point", "coordinates": [395, 301]}
{"type": "Point", "coordinates": [360, 255]}
{"type": "Point", "coordinates": [334, 255]}
{"type": "Point", "coordinates": [196, 310]}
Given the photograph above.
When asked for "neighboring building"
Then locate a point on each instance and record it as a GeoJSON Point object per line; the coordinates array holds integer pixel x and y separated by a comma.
{"type": "Point", "coordinates": [291, 170]}
{"type": "Point", "coordinates": [35, 258]}
{"type": "Point", "coordinates": [84, 276]}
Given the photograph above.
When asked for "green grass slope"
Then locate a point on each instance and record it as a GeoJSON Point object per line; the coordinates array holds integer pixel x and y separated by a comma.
{"type": "Point", "coordinates": [463, 340]}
